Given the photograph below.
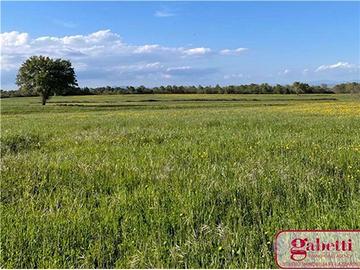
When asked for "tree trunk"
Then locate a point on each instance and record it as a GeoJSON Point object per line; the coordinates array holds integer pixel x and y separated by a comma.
{"type": "Point", "coordinates": [43, 99]}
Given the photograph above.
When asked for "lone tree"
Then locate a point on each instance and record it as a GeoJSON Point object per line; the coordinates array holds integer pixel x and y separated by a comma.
{"type": "Point", "coordinates": [46, 77]}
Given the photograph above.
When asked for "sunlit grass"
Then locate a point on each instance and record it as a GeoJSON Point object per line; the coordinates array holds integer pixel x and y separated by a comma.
{"type": "Point", "coordinates": [173, 183]}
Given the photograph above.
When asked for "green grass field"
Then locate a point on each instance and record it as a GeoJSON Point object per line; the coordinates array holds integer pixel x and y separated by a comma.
{"type": "Point", "coordinates": [173, 181]}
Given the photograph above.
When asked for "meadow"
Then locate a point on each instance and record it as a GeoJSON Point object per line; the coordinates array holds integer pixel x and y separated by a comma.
{"type": "Point", "coordinates": [175, 181]}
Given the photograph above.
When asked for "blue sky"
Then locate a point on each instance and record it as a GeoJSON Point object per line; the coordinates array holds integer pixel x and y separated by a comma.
{"type": "Point", "coordinates": [190, 43]}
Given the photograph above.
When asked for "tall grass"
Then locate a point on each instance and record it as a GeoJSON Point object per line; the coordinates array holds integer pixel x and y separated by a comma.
{"type": "Point", "coordinates": [173, 183]}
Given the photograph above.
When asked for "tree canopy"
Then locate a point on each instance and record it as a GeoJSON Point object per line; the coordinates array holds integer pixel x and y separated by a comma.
{"type": "Point", "coordinates": [44, 76]}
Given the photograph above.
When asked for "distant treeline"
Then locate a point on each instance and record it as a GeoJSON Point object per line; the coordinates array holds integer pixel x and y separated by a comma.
{"type": "Point", "coordinates": [295, 88]}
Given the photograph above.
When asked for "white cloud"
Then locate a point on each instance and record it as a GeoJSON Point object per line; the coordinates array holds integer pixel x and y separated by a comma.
{"type": "Point", "coordinates": [233, 76]}
{"type": "Point", "coordinates": [233, 52]}
{"type": "Point", "coordinates": [14, 38]}
{"type": "Point", "coordinates": [197, 51]}
{"type": "Point", "coordinates": [137, 67]}
{"type": "Point", "coordinates": [339, 65]}
{"type": "Point", "coordinates": [170, 69]}
{"type": "Point", "coordinates": [189, 71]}
{"type": "Point", "coordinates": [284, 72]}
{"type": "Point", "coordinates": [83, 43]}
{"type": "Point", "coordinates": [147, 48]}
{"type": "Point", "coordinates": [104, 54]}
{"type": "Point", "coordinates": [8, 62]}
{"type": "Point", "coordinates": [103, 42]}
{"type": "Point", "coordinates": [162, 14]}
{"type": "Point", "coordinates": [166, 76]}
{"type": "Point", "coordinates": [102, 47]}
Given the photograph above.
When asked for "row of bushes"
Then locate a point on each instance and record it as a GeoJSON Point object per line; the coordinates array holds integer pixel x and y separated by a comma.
{"type": "Point", "coordinates": [295, 88]}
